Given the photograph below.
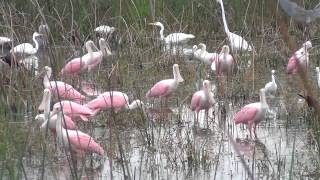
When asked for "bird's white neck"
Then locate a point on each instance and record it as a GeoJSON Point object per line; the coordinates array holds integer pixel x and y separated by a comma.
{"type": "Point", "coordinates": [59, 128]}
{"type": "Point", "coordinates": [161, 32]}
{"type": "Point", "coordinates": [226, 29]}
{"type": "Point", "coordinates": [273, 78]}
{"type": "Point", "coordinates": [263, 100]}
{"type": "Point", "coordinates": [36, 43]}
{"type": "Point", "coordinates": [46, 81]}
{"type": "Point", "coordinates": [176, 76]}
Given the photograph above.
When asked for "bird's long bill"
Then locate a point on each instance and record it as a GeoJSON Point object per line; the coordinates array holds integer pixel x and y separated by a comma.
{"type": "Point", "coordinates": [45, 100]}
{"type": "Point", "coordinates": [153, 24]}
{"type": "Point", "coordinates": [178, 75]}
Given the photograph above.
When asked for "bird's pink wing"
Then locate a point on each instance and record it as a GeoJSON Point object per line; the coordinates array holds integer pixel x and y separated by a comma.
{"type": "Point", "coordinates": [69, 123]}
{"type": "Point", "coordinates": [85, 142]}
{"type": "Point", "coordinates": [292, 64]}
{"type": "Point", "coordinates": [105, 101]}
{"type": "Point", "coordinates": [195, 102]}
{"type": "Point", "coordinates": [214, 57]}
{"type": "Point", "coordinates": [75, 108]}
{"type": "Point", "coordinates": [159, 89]}
{"type": "Point", "coordinates": [245, 115]}
{"type": "Point", "coordinates": [67, 91]}
{"type": "Point", "coordinates": [73, 66]}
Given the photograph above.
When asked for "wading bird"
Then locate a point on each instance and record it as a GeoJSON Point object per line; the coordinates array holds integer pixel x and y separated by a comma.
{"type": "Point", "coordinates": [77, 141]}
{"type": "Point", "coordinates": [203, 99]}
{"type": "Point", "coordinates": [59, 88]}
{"type": "Point", "coordinates": [4, 40]}
{"type": "Point", "coordinates": [165, 88]}
{"type": "Point", "coordinates": [271, 87]}
{"type": "Point", "coordinates": [237, 43]}
{"type": "Point", "coordinates": [113, 99]}
{"type": "Point", "coordinates": [174, 38]}
{"type": "Point", "coordinates": [27, 48]}
{"type": "Point", "coordinates": [224, 64]}
{"type": "Point", "coordinates": [74, 110]}
{"type": "Point", "coordinates": [253, 113]}
{"type": "Point", "coordinates": [299, 61]}
{"type": "Point", "coordinates": [50, 121]}
{"type": "Point", "coordinates": [204, 56]}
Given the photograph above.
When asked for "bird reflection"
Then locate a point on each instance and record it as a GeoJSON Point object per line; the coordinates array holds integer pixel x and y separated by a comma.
{"type": "Point", "coordinates": [159, 114]}
{"type": "Point", "coordinates": [250, 148]}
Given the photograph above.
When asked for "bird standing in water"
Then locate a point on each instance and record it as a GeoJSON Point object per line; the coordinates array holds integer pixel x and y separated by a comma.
{"type": "Point", "coordinates": [253, 113]}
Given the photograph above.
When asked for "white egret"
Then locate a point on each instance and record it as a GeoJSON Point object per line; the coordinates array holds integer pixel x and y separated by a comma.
{"type": "Point", "coordinates": [237, 43]}
{"type": "Point", "coordinates": [174, 38]}
{"type": "Point", "coordinates": [27, 48]}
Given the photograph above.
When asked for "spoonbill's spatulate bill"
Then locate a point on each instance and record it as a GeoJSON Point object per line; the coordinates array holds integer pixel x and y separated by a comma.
{"type": "Point", "coordinates": [237, 43]}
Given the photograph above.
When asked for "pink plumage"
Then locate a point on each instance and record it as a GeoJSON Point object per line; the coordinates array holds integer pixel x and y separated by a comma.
{"type": "Point", "coordinates": [202, 99]}
{"type": "Point", "coordinates": [83, 142]}
{"type": "Point", "coordinates": [74, 66]}
{"type": "Point", "coordinates": [73, 109]}
{"type": "Point", "coordinates": [107, 100]}
{"type": "Point", "coordinates": [300, 59]}
{"type": "Point", "coordinates": [253, 113]}
{"type": "Point", "coordinates": [64, 90]}
{"type": "Point", "coordinates": [224, 62]}
{"type": "Point", "coordinates": [162, 88]}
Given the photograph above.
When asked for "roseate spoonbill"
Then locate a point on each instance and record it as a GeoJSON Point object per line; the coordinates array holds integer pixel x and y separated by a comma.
{"type": "Point", "coordinates": [174, 38]}
{"type": "Point", "coordinates": [79, 142]}
{"type": "Point", "coordinates": [271, 87]}
{"type": "Point", "coordinates": [203, 99]}
{"type": "Point", "coordinates": [318, 76]}
{"type": "Point", "coordinates": [79, 64]}
{"type": "Point", "coordinates": [165, 88]}
{"type": "Point", "coordinates": [74, 110]}
{"type": "Point", "coordinates": [113, 99]}
{"type": "Point", "coordinates": [225, 63]}
{"type": "Point", "coordinates": [61, 88]}
{"type": "Point", "coordinates": [237, 43]}
{"type": "Point", "coordinates": [27, 48]}
{"type": "Point", "coordinates": [45, 105]}
{"type": "Point", "coordinates": [98, 56]}
{"type": "Point", "coordinates": [204, 56]}
{"type": "Point", "coordinates": [300, 59]}
{"type": "Point", "coordinates": [252, 114]}
{"type": "Point", "coordinates": [104, 29]}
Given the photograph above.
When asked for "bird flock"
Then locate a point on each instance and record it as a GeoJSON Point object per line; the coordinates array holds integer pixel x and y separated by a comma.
{"type": "Point", "coordinates": [72, 105]}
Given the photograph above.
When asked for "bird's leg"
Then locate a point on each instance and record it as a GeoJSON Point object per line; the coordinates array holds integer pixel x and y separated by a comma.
{"type": "Point", "coordinates": [207, 118]}
{"type": "Point", "coordinates": [254, 130]}
{"type": "Point", "coordinates": [250, 129]}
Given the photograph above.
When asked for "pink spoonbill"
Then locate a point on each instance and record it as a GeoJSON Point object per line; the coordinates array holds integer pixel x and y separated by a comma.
{"type": "Point", "coordinates": [203, 99]}
{"type": "Point", "coordinates": [74, 110]}
{"type": "Point", "coordinates": [60, 88]}
{"type": "Point", "coordinates": [252, 114]}
{"type": "Point", "coordinates": [300, 59]}
{"type": "Point", "coordinates": [77, 141]}
{"type": "Point", "coordinates": [165, 88]}
{"type": "Point", "coordinates": [224, 65]}
{"type": "Point", "coordinates": [51, 120]}
{"type": "Point", "coordinates": [113, 99]}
